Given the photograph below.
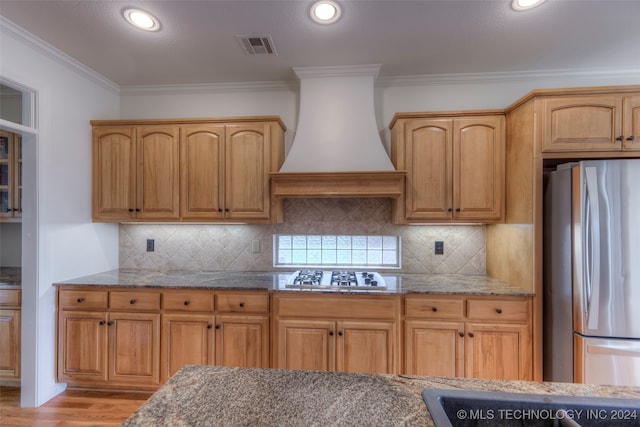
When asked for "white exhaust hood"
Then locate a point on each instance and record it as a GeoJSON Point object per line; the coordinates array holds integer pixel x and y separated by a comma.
{"type": "Point", "coordinates": [337, 130]}
{"type": "Point", "coordinates": [337, 150]}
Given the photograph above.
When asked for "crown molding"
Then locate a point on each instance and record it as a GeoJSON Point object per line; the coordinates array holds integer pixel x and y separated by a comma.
{"type": "Point", "coordinates": [8, 28]}
{"type": "Point", "coordinates": [502, 77]}
{"type": "Point", "coordinates": [201, 88]}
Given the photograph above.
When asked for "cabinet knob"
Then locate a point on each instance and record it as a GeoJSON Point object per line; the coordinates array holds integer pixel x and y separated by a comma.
{"type": "Point", "coordinates": [80, 300]}
{"type": "Point", "coordinates": [226, 209]}
{"type": "Point", "coordinates": [102, 322]}
{"type": "Point", "coordinates": [449, 210]}
{"type": "Point", "coordinates": [620, 138]}
{"type": "Point", "coordinates": [219, 210]}
{"type": "Point", "coordinates": [471, 334]}
{"type": "Point", "coordinates": [137, 210]}
{"type": "Point", "coordinates": [186, 303]}
{"type": "Point", "coordinates": [499, 310]}
{"type": "Point", "coordinates": [434, 308]}
{"type": "Point", "coordinates": [218, 326]}
{"type": "Point", "coordinates": [209, 326]}
{"type": "Point", "coordinates": [330, 333]}
{"type": "Point", "coordinates": [340, 333]}
{"type": "Point", "coordinates": [631, 138]}
{"type": "Point", "coordinates": [241, 304]}
{"type": "Point", "coordinates": [457, 209]}
{"type": "Point", "coordinates": [133, 301]}
{"type": "Point", "coordinates": [130, 210]}
{"type": "Point", "coordinates": [461, 334]}
{"type": "Point", "coordinates": [110, 323]}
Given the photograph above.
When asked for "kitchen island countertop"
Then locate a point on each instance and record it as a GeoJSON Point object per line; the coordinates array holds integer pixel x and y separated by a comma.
{"type": "Point", "coordinates": [399, 283]}
{"type": "Point", "coordinates": [208, 395]}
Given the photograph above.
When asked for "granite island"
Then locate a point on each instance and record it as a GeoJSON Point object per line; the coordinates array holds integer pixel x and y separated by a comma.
{"type": "Point", "coordinates": [210, 395]}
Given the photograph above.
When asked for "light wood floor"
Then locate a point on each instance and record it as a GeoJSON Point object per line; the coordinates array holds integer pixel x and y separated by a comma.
{"type": "Point", "coordinates": [71, 408]}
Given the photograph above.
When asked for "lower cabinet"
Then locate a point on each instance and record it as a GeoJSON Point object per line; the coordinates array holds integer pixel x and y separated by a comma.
{"type": "Point", "coordinates": [347, 333]}
{"type": "Point", "coordinates": [102, 343]}
{"type": "Point", "coordinates": [475, 337]}
{"type": "Point", "coordinates": [10, 345]}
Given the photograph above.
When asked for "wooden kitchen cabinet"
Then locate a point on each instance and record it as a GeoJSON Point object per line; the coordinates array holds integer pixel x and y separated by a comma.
{"type": "Point", "coordinates": [10, 177]}
{"type": "Point", "coordinates": [591, 122]}
{"type": "Point", "coordinates": [185, 169]}
{"type": "Point", "coordinates": [347, 333]}
{"type": "Point", "coordinates": [187, 339]}
{"type": "Point", "coordinates": [475, 337]}
{"type": "Point", "coordinates": [136, 173]}
{"type": "Point", "coordinates": [106, 347]}
{"type": "Point", "coordinates": [455, 166]}
{"type": "Point", "coordinates": [10, 317]}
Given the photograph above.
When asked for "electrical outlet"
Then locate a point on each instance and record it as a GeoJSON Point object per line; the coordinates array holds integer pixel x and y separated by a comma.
{"type": "Point", "coordinates": [255, 246]}
{"type": "Point", "coordinates": [150, 245]}
{"type": "Point", "coordinates": [439, 248]}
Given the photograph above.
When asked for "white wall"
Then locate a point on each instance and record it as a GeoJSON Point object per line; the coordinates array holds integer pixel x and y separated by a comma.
{"type": "Point", "coordinates": [10, 244]}
{"type": "Point", "coordinates": [59, 239]}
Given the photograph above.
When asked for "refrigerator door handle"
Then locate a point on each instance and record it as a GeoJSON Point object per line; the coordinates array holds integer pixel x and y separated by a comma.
{"type": "Point", "coordinates": [592, 229]}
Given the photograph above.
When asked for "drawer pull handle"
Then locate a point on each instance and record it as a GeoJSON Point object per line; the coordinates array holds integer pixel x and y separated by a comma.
{"type": "Point", "coordinates": [631, 138]}
{"type": "Point", "coordinates": [434, 309]}
{"type": "Point", "coordinates": [80, 300]}
{"type": "Point", "coordinates": [186, 303]}
{"type": "Point", "coordinates": [499, 310]}
{"type": "Point", "coordinates": [133, 301]}
{"type": "Point", "coordinates": [620, 138]}
{"type": "Point", "coordinates": [241, 304]}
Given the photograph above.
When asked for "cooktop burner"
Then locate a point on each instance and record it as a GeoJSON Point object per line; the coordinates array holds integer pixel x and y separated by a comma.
{"type": "Point", "coordinates": [318, 279]}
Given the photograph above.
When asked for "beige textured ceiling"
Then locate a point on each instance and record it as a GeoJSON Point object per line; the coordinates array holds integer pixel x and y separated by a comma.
{"type": "Point", "coordinates": [197, 43]}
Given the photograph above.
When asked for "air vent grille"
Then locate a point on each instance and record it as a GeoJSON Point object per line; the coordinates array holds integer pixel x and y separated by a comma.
{"type": "Point", "coordinates": [259, 44]}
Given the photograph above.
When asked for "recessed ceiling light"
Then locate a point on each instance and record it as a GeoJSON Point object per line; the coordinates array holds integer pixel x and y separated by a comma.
{"type": "Point", "coordinates": [325, 12]}
{"type": "Point", "coordinates": [525, 4]}
{"type": "Point", "coordinates": [141, 19]}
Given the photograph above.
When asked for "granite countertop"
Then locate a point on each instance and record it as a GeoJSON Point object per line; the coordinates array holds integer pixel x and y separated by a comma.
{"type": "Point", "coordinates": [208, 395]}
{"type": "Point", "coordinates": [397, 283]}
{"type": "Point", "coordinates": [10, 277]}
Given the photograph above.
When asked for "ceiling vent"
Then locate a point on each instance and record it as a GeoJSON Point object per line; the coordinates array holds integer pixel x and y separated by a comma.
{"type": "Point", "coordinates": [258, 44]}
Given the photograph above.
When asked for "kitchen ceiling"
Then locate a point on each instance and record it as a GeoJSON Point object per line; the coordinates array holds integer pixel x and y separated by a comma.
{"type": "Point", "coordinates": [198, 41]}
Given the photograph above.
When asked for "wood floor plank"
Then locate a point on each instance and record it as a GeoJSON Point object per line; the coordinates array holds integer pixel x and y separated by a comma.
{"type": "Point", "coordinates": [71, 408]}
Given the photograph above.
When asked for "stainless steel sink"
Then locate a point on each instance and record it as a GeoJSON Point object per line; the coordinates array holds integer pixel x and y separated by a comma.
{"type": "Point", "coordinates": [461, 408]}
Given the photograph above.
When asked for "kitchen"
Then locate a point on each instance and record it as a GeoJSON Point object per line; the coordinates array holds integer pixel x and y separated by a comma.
{"type": "Point", "coordinates": [94, 247]}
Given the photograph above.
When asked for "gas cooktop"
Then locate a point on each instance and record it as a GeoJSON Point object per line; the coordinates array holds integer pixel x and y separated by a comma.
{"type": "Point", "coordinates": [337, 279]}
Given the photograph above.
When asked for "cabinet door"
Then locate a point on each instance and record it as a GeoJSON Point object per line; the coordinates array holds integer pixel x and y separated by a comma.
{"type": "Point", "coordinates": [631, 123]}
{"type": "Point", "coordinates": [306, 344]}
{"type": "Point", "coordinates": [187, 339]}
{"type": "Point", "coordinates": [202, 172]}
{"type": "Point", "coordinates": [247, 171]}
{"type": "Point", "coordinates": [158, 175]}
{"type": "Point", "coordinates": [82, 346]}
{"type": "Point", "coordinates": [498, 351]}
{"type": "Point", "coordinates": [114, 173]}
{"type": "Point", "coordinates": [9, 344]}
{"type": "Point", "coordinates": [242, 341]}
{"type": "Point", "coordinates": [429, 156]}
{"type": "Point", "coordinates": [434, 348]}
{"type": "Point", "coordinates": [134, 348]}
{"type": "Point", "coordinates": [582, 123]}
{"type": "Point", "coordinates": [368, 347]}
{"type": "Point", "coordinates": [478, 168]}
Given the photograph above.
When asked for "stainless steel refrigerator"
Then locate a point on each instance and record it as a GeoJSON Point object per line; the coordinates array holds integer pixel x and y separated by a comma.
{"type": "Point", "coordinates": [592, 273]}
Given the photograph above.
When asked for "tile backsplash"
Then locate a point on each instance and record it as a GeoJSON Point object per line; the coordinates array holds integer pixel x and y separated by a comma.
{"type": "Point", "coordinates": [207, 247]}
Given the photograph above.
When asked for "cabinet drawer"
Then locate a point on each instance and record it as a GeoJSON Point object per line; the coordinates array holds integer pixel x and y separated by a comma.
{"type": "Point", "coordinates": [10, 297]}
{"type": "Point", "coordinates": [434, 308]}
{"type": "Point", "coordinates": [497, 309]}
{"type": "Point", "coordinates": [82, 299]}
{"type": "Point", "coordinates": [188, 301]}
{"type": "Point", "coordinates": [134, 300]}
{"type": "Point", "coordinates": [242, 303]}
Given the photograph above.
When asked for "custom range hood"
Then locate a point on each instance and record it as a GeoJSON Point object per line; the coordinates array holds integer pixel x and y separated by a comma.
{"type": "Point", "coordinates": [337, 150]}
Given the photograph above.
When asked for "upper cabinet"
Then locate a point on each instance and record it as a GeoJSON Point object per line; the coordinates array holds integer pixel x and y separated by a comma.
{"type": "Point", "coordinates": [190, 170]}
{"type": "Point", "coordinates": [455, 166]}
{"type": "Point", "coordinates": [135, 173]}
{"type": "Point", "coordinates": [10, 177]}
{"type": "Point", "coordinates": [591, 122]}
